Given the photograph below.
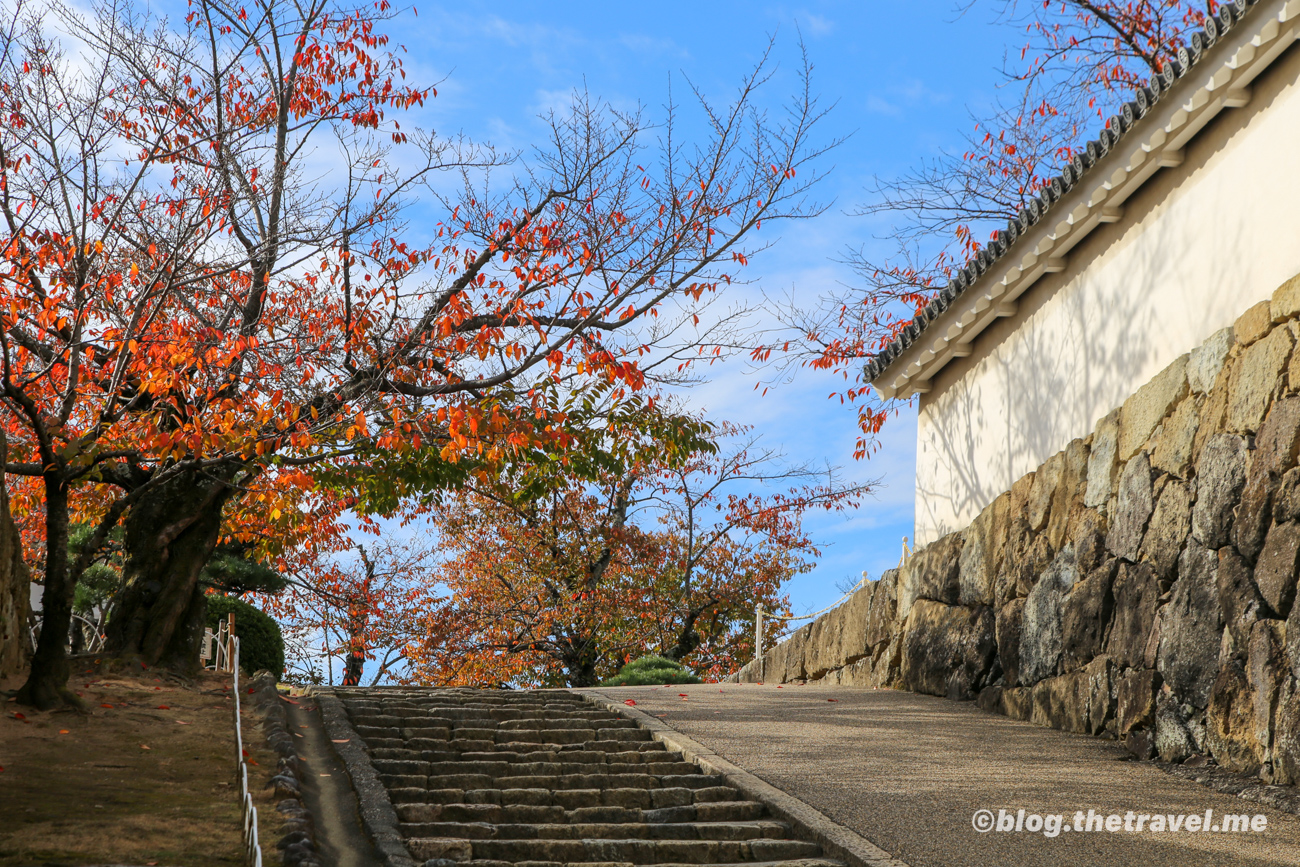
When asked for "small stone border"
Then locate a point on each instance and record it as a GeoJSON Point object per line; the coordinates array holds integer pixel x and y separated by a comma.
{"type": "Point", "coordinates": [377, 813]}
{"type": "Point", "coordinates": [298, 844]}
{"type": "Point", "coordinates": [836, 840]}
{"type": "Point", "coordinates": [1284, 798]}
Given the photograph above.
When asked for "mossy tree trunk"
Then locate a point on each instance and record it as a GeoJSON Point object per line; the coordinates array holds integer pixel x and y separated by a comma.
{"type": "Point", "coordinates": [15, 583]}
{"type": "Point", "coordinates": [169, 535]}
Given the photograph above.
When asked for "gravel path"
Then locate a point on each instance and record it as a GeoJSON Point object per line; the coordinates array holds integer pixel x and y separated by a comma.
{"type": "Point", "coordinates": [908, 772]}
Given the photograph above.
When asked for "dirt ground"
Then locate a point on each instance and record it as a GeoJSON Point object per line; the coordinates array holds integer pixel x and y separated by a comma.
{"type": "Point", "coordinates": [146, 777]}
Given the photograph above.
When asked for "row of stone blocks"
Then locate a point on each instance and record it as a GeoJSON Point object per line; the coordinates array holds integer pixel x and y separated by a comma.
{"type": "Point", "coordinates": [544, 779]}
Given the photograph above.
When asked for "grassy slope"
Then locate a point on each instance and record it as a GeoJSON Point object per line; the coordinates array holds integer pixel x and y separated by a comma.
{"type": "Point", "coordinates": [79, 789]}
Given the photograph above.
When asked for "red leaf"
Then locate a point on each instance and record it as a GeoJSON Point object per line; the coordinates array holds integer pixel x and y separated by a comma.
{"type": "Point", "coordinates": [832, 699]}
{"type": "Point", "coordinates": [163, 707]}
{"type": "Point", "coordinates": [630, 701]}
{"type": "Point", "coordinates": [19, 716]}
{"type": "Point", "coordinates": [105, 705]}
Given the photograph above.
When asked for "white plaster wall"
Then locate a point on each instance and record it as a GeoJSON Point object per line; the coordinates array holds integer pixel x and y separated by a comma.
{"type": "Point", "coordinates": [1220, 241]}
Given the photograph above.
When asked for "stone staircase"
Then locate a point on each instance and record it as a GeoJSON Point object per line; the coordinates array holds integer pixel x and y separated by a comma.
{"type": "Point", "coordinates": [491, 778]}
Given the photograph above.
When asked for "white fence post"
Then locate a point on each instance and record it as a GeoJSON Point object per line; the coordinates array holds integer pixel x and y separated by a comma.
{"type": "Point", "coordinates": [252, 847]}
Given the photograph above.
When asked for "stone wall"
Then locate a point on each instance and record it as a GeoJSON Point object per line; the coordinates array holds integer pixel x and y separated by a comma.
{"type": "Point", "coordinates": [1138, 585]}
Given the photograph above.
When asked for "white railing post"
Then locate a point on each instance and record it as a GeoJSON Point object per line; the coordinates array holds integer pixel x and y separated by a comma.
{"type": "Point", "coordinates": [758, 641]}
{"type": "Point", "coordinates": [252, 846]}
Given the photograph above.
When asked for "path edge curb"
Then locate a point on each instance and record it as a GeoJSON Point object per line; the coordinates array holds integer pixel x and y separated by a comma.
{"type": "Point", "coordinates": [377, 814]}
{"type": "Point", "coordinates": [836, 840]}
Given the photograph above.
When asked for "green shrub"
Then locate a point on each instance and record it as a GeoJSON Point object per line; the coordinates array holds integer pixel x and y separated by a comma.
{"type": "Point", "coordinates": [652, 671]}
{"type": "Point", "coordinates": [260, 643]}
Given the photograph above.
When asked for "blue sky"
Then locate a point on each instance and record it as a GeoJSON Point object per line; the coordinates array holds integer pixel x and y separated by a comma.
{"type": "Point", "coordinates": [904, 78]}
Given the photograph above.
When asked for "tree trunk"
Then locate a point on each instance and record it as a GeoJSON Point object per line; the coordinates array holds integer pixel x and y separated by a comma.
{"type": "Point", "coordinates": [169, 535]}
{"type": "Point", "coordinates": [46, 686]}
{"type": "Point", "coordinates": [15, 592]}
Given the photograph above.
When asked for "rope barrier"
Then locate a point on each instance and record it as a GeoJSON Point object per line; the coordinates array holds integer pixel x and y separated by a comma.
{"type": "Point", "coordinates": [759, 612]}
{"type": "Point", "coordinates": [758, 620]}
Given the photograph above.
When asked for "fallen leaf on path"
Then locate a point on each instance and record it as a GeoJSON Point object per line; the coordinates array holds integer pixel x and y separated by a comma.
{"type": "Point", "coordinates": [325, 775]}
{"type": "Point", "coordinates": [832, 699]}
{"type": "Point", "coordinates": [105, 705]}
{"type": "Point", "coordinates": [19, 716]}
{"type": "Point", "coordinates": [143, 747]}
{"type": "Point", "coordinates": [181, 722]}
{"type": "Point", "coordinates": [63, 731]}
{"type": "Point", "coordinates": [629, 701]}
{"type": "Point", "coordinates": [341, 740]}
{"type": "Point", "coordinates": [682, 694]}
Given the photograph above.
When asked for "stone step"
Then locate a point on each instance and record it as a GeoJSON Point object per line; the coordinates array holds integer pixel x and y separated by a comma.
{"type": "Point", "coordinates": [586, 851]}
{"type": "Point", "coordinates": [792, 862]}
{"type": "Point", "coordinates": [762, 830]}
{"type": "Point", "coordinates": [497, 778]}
{"type": "Point", "coordinates": [425, 812]}
{"type": "Point", "coordinates": [641, 799]}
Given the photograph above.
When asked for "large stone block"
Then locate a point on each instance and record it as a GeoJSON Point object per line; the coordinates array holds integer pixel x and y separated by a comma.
{"type": "Point", "coordinates": [1286, 737]}
{"type": "Point", "coordinates": [1148, 406]}
{"type": "Point", "coordinates": [931, 573]}
{"type": "Point", "coordinates": [1032, 564]}
{"type": "Point", "coordinates": [1275, 571]}
{"type": "Point", "coordinates": [1018, 702]}
{"type": "Point", "coordinates": [1040, 638]}
{"type": "Point", "coordinates": [1008, 624]}
{"type": "Point", "coordinates": [1267, 671]}
{"type": "Point", "coordinates": [1098, 679]}
{"type": "Point", "coordinates": [1085, 614]}
{"type": "Point", "coordinates": [1132, 510]}
{"type": "Point", "coordinates": [1286, 499]}
{"type": "Point", "coordinates": [1253, 324]}
{"type": "Point", "coordinates": [1220, 476]}
{"type": "Point", "coordinates": [1171, 521]}
{"type": "Point", "coordinates": [1256, 376]}
{"type": "Point", "coordinates": [1176, 737]}
{"type": "Point", "coordinates": [821, 651]}
{"type": "Point", "coordinates": [1135, 699]}
{"type": "Point", "coordinates": [1191, 628]}
{"type": "Point", "coordinates": [1214, 414]}
{"type": "Point", "coordinates": [1206, 360]}
{"type": "Point", "coordinates": [947, 649]}
{"type": "Point", "coordinates": [1285, 303]}
{"type": "Point", "coordinates": [1254, 513]}
{"type": "Point", "coordinates": [983, 547]}
{"type": "Point", "coordinates": [1278, 442]}
{"type": "Point", "coordinates": [1172, 448]}
{"type": "Point", "coordinates": [856, 613]}
{"type": "Point", "coordinates": [1103, 461]}
{"type": "Point", "coordinates": [1057, 703]}
{"type": "Point", "coordinates": [1067, 501]}
{"type": "Point", "coordinates": [1137, 593]}
{"type": "Point", "coordinates": [1230, 721]}
{"type": "Point", "coordinates": [881, 615]}
{"type": "Point", "coordinates": [1046, 479]}
{"type": "Point", "coordinates": [1240, 602]}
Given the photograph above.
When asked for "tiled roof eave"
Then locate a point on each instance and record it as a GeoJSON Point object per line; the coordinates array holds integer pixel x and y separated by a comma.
{"type": "Point", "coordinates": [1219, 78]}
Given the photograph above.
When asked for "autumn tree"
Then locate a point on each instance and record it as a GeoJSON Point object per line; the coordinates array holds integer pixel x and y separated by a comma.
{"type": "Point", "coordinates": [732, 520]}
{"type": "Point", "coordinates": [364, 603]}
{"type": "Point", "coordinates": [1077, 61]}
{"type": "Point", "coordinates": [560, 574]}
{"type": "Point", "coordinates": [192, 311]}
